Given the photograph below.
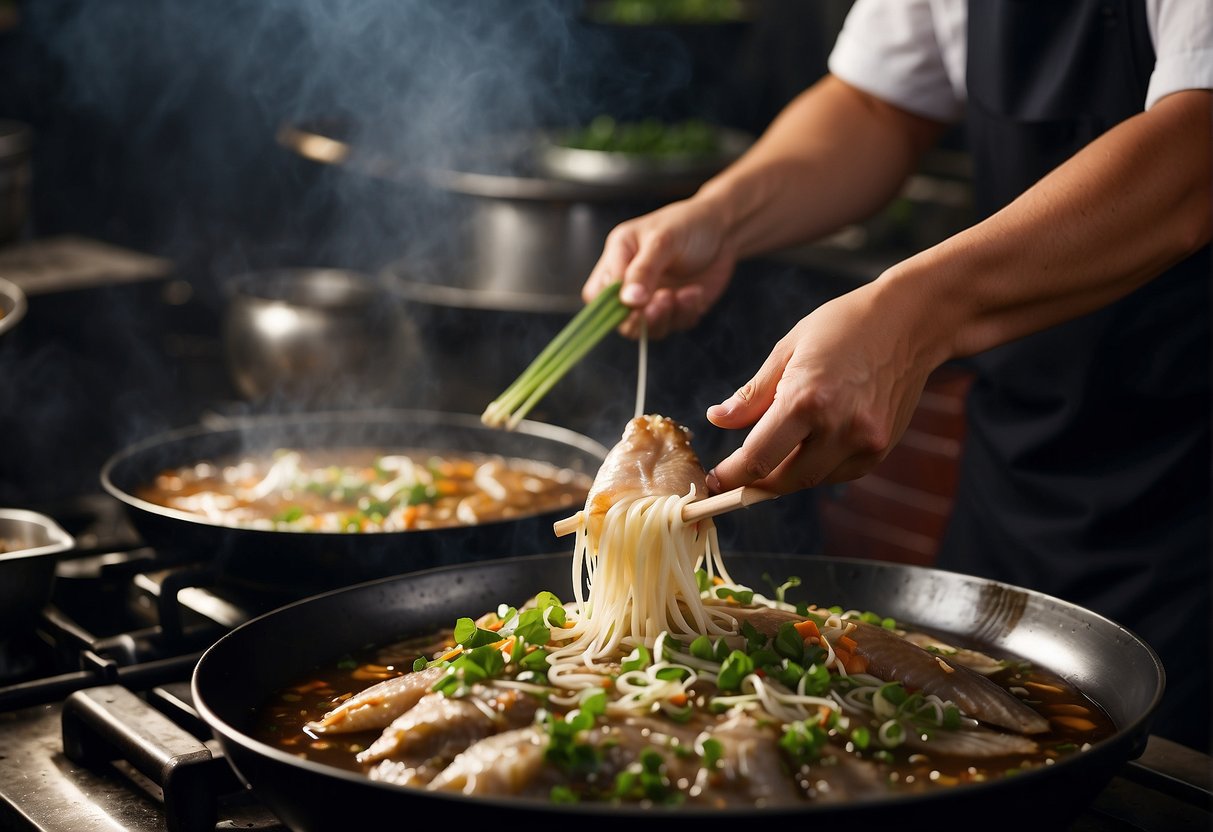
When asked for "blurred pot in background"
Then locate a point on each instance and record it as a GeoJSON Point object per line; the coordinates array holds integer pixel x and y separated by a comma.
{"type": "Point", "coordinates": [317, 337]}
{"type": "Point", "coordinates": [16, 139]}
{"type": "Point", "coordinates": [12, 306]}
{"type": "Point", "coordinates": [30, 546]}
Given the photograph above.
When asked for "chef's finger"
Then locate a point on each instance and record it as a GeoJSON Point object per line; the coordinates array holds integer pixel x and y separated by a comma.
{"type": "Point", "coordinates": [744, 407]}
{"type": "Point", "coordinates": [775, 436]}
{"type": "Point", "coordinates": [617, 252]}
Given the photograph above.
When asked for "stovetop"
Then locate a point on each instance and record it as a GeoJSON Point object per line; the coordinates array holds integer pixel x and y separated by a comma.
{"type": "Point", "coordinates": [98, 730]}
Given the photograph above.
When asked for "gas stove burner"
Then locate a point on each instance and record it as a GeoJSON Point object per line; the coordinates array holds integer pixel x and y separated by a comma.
{"type": "Point", "coordinates": [18, 658]}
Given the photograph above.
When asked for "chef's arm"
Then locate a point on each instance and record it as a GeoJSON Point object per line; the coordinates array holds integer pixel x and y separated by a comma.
{"type": "Point", "coordinates": [1133, 202]}
{"type": "Point", "coordinates": [834, 155]}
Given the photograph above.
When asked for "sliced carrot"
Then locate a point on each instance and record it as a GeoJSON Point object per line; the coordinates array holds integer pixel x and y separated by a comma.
{"type": "Point", "coordinates": [678, 699]}
{"type": "Point", "coordinates": [807, 629]}
{"type": "Point", "coordinates": [847, 643]}
{"type": "Point", "coordinates": [1075, 722]}
{"type": "Point", "coordinates": [450, 654]}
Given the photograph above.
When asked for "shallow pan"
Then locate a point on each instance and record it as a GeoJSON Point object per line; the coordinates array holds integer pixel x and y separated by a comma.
{"type": "Point", "coordinates": [1108, 663]}
{"type": "Point", "coordinates": [299, 562]}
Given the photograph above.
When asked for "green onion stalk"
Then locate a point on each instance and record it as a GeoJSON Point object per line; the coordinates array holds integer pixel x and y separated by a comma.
{"type": "Point", "coordinates": [587, 328]}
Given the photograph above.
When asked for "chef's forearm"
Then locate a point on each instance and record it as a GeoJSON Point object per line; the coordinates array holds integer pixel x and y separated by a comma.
{"type": "Point", "coordinates": [835, 155]}
{"type": "Point", "coordinates": [1132, 203]}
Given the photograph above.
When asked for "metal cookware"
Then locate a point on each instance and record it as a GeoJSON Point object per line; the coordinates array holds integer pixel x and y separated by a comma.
{"type": "Point", "coordinates": [30, 546]}
{"type": "Point", "coordinates": [1108, 663]}
{"type": "Point", "coordinates": [605, 167]}
{"type": "Point", "coordinates": [517, 227]}
{"type": "Point", "coordinates": [291, 563]}
{"type": "Point", "coordinates": [12, 306]}
{"type": "Point", "coordinates": [317, 337]}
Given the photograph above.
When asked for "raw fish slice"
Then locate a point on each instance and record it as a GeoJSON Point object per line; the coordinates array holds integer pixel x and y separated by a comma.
{"type": "Point", "coordinates": [379, 704]}
{"type": "Point", "coordinates": [442, 726]}
{"type": "Point", "coordinates": [894, 659]}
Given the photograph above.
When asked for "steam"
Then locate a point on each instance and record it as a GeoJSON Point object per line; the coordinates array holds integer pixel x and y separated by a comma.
{"type": "Point", "coordinates": [176, 105]}
{"type": "Point", "coordinates": [199, 90]}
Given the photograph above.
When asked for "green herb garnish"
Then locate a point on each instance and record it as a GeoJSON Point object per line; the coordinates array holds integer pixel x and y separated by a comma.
{"type": "Point", "coordinates": [589, 326]}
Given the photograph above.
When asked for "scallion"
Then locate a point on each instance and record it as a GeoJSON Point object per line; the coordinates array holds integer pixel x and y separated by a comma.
{"type": "Point", "coordinates": [589, 326]}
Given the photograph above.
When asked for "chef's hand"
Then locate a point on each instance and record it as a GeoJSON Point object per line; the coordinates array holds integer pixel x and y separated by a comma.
{"type": "Point", "coordinates": [674, 263]}
{"type": "Point", "coordinates": [830, 401]}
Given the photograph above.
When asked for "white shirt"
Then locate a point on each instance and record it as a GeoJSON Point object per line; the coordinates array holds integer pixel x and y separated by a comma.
{"type": "Point", "coordinates": [911, 53]}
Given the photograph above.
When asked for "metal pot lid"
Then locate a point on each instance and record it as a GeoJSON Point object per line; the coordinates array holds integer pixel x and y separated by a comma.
{"type": "Point", "coordinates": [16, 138]}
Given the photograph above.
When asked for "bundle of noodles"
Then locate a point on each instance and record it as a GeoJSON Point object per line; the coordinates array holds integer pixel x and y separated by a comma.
{"type": "Point", "coordinates": [638, 557]}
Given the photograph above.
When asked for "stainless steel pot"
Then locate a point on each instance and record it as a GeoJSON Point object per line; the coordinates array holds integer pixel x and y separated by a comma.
{"type": "Point", "coordinates": [317, 337]}
{"type": "Point", "coordinates": [16, 140]}
{"type": "Point", "coordinates": [525, 227]}
{"type": "Point", "coordinates": [30, 546]}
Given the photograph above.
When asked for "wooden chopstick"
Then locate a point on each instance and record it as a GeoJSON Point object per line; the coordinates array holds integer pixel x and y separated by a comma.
{"type": "Point", "coordinates": [712, 506]}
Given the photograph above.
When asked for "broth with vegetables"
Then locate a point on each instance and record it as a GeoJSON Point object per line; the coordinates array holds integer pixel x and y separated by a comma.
{"type": "Point", "coordinates": [663, 681]}
{"type": "Point", "coordinates": [706, 738]}
{"type": "Point", "coordinates": [365, 489]}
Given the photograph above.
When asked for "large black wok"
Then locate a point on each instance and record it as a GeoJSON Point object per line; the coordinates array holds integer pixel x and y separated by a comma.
{"type": "Point", "coordinates": [1110, 664]}
{"type": "Point", "coordinates": [297, 563]}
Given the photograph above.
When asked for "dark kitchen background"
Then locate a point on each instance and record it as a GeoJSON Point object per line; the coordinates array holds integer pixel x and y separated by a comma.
{"type": "Point", "coordinates": [159, 157]}
{"type": "Point", "coordinates": [160, 171]}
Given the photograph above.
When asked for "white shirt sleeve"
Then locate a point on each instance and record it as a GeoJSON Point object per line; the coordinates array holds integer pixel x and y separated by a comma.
{"type": "Point", "coordinates": [910, 53]}
{"type": "Point", "coordinates": [1182, 31]}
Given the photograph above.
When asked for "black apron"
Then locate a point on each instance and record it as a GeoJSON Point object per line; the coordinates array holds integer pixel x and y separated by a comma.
{"type": "Point", "coordinates": [1087, 461]}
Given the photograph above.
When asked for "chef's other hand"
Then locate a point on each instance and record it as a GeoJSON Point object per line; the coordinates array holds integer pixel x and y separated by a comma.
{"type": "Point", "coordinates": [674, 263]}
{"type": "Point", "coordinates": [831, 400]}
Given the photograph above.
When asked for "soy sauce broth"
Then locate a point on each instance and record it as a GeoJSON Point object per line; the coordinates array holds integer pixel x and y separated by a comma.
{"type": "Point", "coordinates": [1075, 720]}
{"type": "Point", "coordinates": [365, 489]}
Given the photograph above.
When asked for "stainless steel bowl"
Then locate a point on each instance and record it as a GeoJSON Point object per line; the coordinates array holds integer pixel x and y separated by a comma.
{"type": "Point", "coordinates": [30, 546]}
{"type": "Point", "coordinates": [315, 336]}
{"type": "Point", "coordinates": [12, 306]}
{"type": "Point", "coordinates": [603, 167]}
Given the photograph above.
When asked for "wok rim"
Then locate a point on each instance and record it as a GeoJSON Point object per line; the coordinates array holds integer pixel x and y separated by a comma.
{"type": "Point", "coordinates": [1124, 734]}
{"type": "Point", "coordinates": [17, 305]}
{"type": "Point", "coordinates": [242, 424]}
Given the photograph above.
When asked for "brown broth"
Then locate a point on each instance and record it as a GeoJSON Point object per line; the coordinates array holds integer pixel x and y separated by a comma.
{"type": "Point", "coordinates": [366, 490]}
{"type": "Point", "coordinates": [280, 721]}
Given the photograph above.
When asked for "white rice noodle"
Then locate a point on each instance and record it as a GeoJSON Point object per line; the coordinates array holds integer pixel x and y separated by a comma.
{"type": "Point", "coordinates": [640, 575]}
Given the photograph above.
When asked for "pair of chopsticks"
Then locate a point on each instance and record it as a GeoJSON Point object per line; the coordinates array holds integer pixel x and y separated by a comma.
{"type": "Point", "coordinates": [721, 503]}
